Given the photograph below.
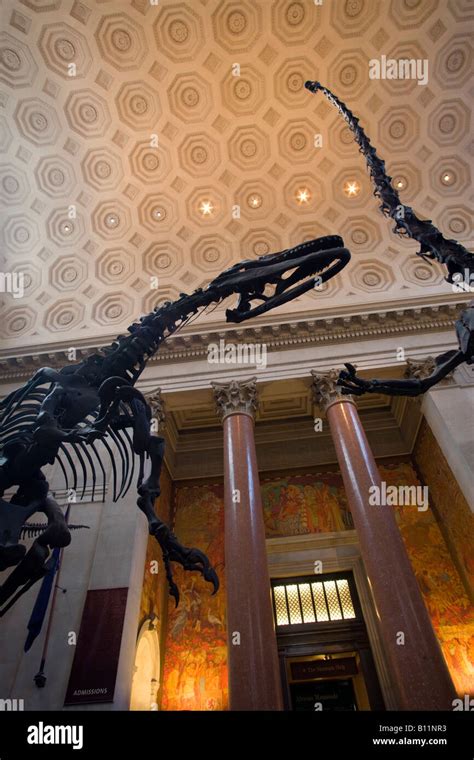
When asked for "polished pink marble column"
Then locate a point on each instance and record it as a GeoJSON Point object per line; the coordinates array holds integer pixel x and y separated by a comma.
{"type": "Point", "coordinates": [254, 677]}
{"type": "Point", "coordinates": [418, 668]}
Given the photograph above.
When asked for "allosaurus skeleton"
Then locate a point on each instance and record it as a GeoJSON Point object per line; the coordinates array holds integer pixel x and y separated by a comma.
{"type": "Point", "coordinates": [79, 410]}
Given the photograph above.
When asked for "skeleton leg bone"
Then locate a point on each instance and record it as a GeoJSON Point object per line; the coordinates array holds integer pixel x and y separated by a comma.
{"type": "Point", "coordinates": [149, 490]}
{"type": "Point", "coordinates": [34, 564]}
{"type": "Point", "coordinates": [351, 383]}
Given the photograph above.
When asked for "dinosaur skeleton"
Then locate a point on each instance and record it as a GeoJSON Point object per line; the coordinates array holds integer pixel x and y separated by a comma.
{"type": "Point", "coordinates": [433, 246]}
{"type": "Point", "coordinates": [28, 530]}
{"type": "Point", "coordinates": [83, 409]}
{"type": "Point", "coordinates": [89, 409]}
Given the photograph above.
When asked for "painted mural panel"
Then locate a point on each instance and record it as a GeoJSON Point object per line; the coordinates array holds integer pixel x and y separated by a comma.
{"type": "Point", "coordinates": [195, 674]}
{"type": "Point", "coordinates": [153, 582]}
{"type": "Point", "coordinates": [450, 609]}
{"type": "Point", "coordinates": [298, 504]}
{"type": "Point", "coordinates": [448, 500]}
{"type": "Point", "coordinates": [153, 601]}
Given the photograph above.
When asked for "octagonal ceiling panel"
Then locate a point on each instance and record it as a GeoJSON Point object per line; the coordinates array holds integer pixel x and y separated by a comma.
{"type": "Point", "coordinates": [182, 140]}
{"type": "Point", "coordinates": [121, 41]}
{"type": "Point", "coordinates": [65, 50]}
{"type": "Point", "coordinates": [17, 65]}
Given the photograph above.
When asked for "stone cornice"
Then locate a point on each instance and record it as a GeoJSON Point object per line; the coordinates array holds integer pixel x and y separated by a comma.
{"type": "Point", "coordinates": [188, 346]}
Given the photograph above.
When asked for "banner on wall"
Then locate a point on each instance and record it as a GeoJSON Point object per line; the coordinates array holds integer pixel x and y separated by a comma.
{"type": "Point", "coordinates": [94, 669]}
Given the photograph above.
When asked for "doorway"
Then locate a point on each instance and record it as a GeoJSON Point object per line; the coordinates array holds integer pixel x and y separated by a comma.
{"type": "Point", "coordinates": [325, 656]}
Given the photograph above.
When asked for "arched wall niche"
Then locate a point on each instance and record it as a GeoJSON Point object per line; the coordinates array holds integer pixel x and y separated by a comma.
{"type": "Point", "coordinates": [146, 672]}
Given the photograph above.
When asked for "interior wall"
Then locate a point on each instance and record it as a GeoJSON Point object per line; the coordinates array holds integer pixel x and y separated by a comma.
{"type": "Point", "coordinates": [448, 502]}
{"type": "Point", "coordinates": [153, 602]}
{"type": "Point", "coordinates": [448, 604]}
{"type": "Point", "coordinates": [195, 667]}
{"type": "Point", "coordinates": [195, 673]}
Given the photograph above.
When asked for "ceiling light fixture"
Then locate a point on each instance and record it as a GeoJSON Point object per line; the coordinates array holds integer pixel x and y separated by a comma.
{"type": "Point", "coordinates": [255, 200]}
{"type": "Point", "coordinates": [206, 208]}
{"type": "Point", "coordinates": [351, 189]}
{"type": "Point", "coordinates": [303, 195]}
{"type": "Point", "coordinates": [447, 178]}
{"type": "Point", "coordinates": [111, 220]}
{"type": "Point", "coordinates": [400, 183]}
{"type": "Point", "coordinates": [157, 214]}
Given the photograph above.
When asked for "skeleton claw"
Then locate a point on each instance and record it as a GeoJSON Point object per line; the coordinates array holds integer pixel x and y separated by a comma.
{"type": "Point", "coordinates": [188, 558]}
{"type": "Point", "coordinates": [197, 560]}
{"type": "Point", "coordinates": [173, 589]}
{"type": "Point", "coordinates": [350, 383]}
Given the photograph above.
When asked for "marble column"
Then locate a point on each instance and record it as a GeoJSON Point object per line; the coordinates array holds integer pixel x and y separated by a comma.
{"type": "Point", "coordinates": [416, 662]}
{"type": "Point", "coordinates": [254, 678]}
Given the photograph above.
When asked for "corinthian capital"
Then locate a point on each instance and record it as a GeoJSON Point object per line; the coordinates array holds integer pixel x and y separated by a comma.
{"type": "Point", "coordinates": [423, 368]}
{"type": "Point", "coordinates": [420, 368]}
{"type": "Point", "coordinates": [325, 388]}
{"type": "Point", "coordinates": [157, 406]}
{"type": "Point", "coordinates": [236, 397]}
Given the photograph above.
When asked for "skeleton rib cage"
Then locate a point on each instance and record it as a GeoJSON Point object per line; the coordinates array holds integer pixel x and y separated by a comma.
{"type": "Point", "coordinates": [18, 415]}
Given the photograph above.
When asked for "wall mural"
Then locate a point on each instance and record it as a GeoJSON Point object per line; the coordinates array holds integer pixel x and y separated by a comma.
{"type": "Point", "coordinates": [195, 669]}
{"type": "Point", "coordinates": [153, 583]}
{"type": "Point", "coordinates": [449, 503]}
{"type": "Point", "coordinates": [451, 612]}
{"type": "Point", "coordinates": [153, 601]}
{"type": "Point", "coordinates": [298, 504]}
{"type": "Point", "coordinates": [195, 672]}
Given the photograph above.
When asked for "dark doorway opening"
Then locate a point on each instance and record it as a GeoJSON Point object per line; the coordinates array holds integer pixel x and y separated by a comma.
{"type": "Point", "coordinates": [324, 649]}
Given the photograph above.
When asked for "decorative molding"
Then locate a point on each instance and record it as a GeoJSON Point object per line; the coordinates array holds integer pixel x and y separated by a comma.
{"type": "Point", "coordinates": [214, 123]}
{"type": "Point", "coordinates": [158, 408]}
{"type": "Point", "coordinates": [325, 389]}
{"type": "Point", "coordinates": [422, 368]}
{"type": "Point", "coordinates": [236, 397]}
{"type": "Point", "coordinates": [189, 345]}
{"type": "Point", "coordinates": [419, 369]}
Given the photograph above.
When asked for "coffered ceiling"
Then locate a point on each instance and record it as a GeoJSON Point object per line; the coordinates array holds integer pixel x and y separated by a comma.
{"type": "Point", "coordinates": [152, 125]}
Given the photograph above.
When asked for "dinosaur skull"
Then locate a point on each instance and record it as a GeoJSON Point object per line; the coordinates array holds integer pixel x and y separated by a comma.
{"type": "Point", "coordinates": [277, 278]}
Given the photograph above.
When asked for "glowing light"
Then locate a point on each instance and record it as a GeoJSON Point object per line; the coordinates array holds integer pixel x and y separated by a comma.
{"type": "Point", "coordinates": [447, 178]}
{"type": "Point", "coordinates": [255, 200]}
{"type": "Point", "coordinates": [206, 208]}
{"type": "Point", "coordinates": [303, 195]}
{"type": "Point", "coordinates": [351, 189]}
{"type": "Point", "coordinates": [316, 602]}
{"type": "Point", "coordinates": [111, 220]}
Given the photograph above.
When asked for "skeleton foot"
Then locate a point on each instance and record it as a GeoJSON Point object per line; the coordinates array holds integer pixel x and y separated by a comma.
{"type": "Point", "coordinates": [11, 555]}
{"type": "Point", "coordinates": [32, 567]}
{"type": "Point", "coordinates": [12, 517]}
{"type": "Point", "coordinates": [189, 558]}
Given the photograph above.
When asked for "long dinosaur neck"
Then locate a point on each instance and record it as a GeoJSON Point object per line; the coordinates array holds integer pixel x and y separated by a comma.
{"type": "Point", "coordinates": [127, 356]}
{"type": "Point", "coordinates": [433, 244]}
